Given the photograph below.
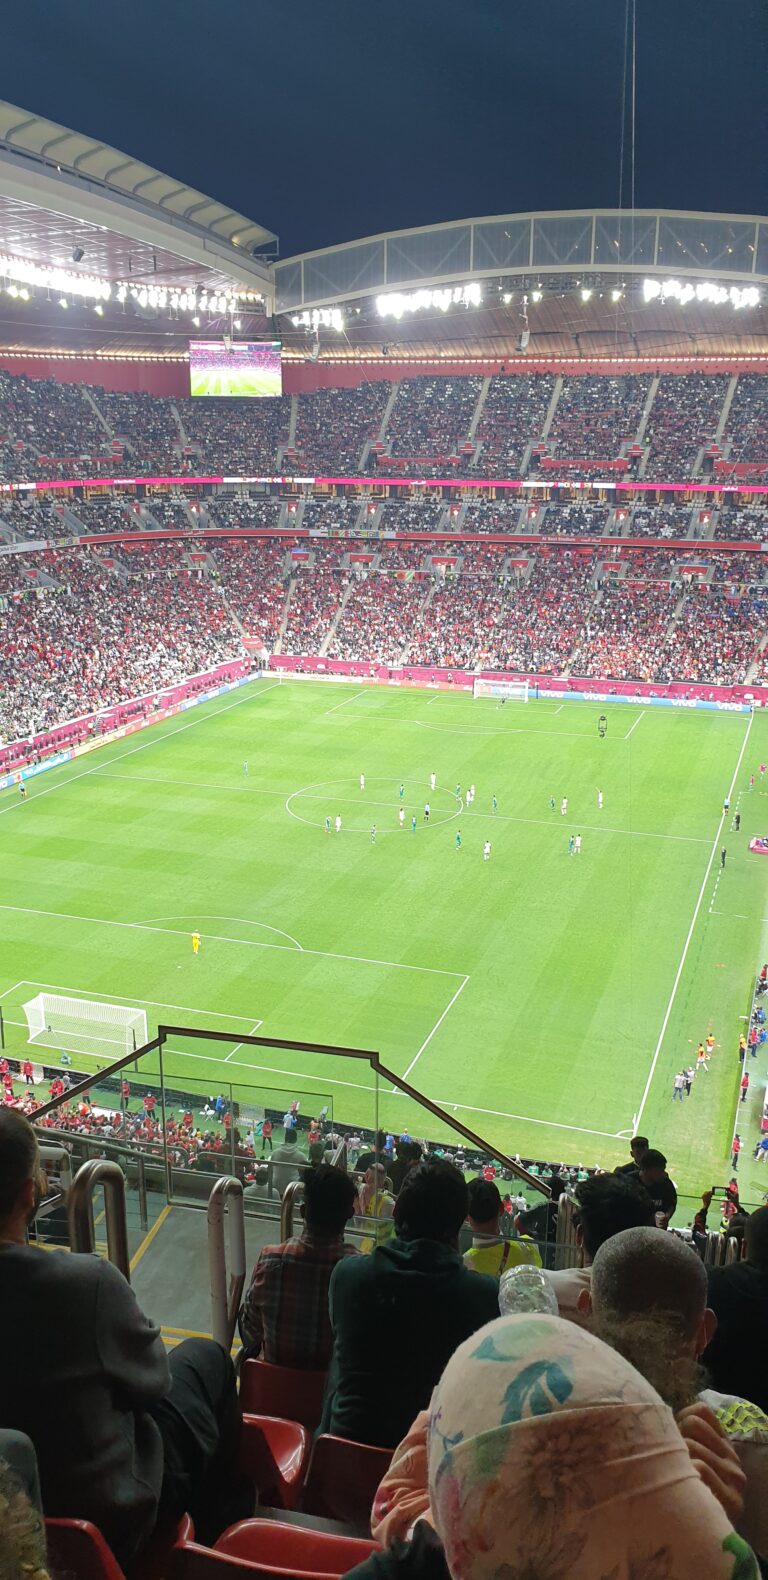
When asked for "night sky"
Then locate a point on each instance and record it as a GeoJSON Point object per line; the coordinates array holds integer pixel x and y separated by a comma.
{"type": "Point", "coordinates": [330, 119]}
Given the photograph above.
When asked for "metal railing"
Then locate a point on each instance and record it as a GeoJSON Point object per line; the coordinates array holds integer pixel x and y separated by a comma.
{"type": "Point", "coordinates": [226, 1290]}
{"type": "Point", "coordinates": [450, 1121]}
{"type": "Point", "coordinates": [82, 1236]}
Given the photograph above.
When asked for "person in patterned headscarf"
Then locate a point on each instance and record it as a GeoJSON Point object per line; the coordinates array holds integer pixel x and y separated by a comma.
{"type": "Point", "coordinates": [551, 1458]}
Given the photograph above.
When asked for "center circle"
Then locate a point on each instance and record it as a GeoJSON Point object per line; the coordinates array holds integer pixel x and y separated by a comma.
{"type": "Point", "coordinates": [360, 809]}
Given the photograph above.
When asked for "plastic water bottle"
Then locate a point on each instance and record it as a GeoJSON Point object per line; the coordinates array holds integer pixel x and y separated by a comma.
{"type": "Point", "coordinates": [526, 1289]}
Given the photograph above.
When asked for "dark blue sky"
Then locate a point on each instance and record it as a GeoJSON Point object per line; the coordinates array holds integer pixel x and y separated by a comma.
{"type": "Point", "coordinates": [329, 119]}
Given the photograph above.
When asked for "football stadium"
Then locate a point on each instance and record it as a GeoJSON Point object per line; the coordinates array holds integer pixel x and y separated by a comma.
{"type": "Point", "coordinates": [384, 879]}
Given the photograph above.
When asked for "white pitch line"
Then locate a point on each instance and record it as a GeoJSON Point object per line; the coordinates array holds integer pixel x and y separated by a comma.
{"type": "Point", "coordinates": [356, 800]}
{"type": "Point", "coordinates": [358, 1086]}
{"type": "Point", "coordinates": [22, 983]}
{"type": "Point", "coordinates": [153, 741]}
{"type": "Point", "coordinates": [239, 1045]}
{"type": "Point", "coordinates": [525, 1119]}
{"type": "Point", "coordinates": [219, 938]}
{"type": "Point", "coordinates": [436, 1027]}
{"type": "Point", "coordinates": [560, 709]}
{"type": "Point", "coordinates": [273, 1069]}
{"type": "Point", "coordinates": [506, 817]}
{"type": "Point", "coordinates": [343, 704]}
{"type": "Point", "coordinates": [156, 1003]}
{"type": "Point", "coordinates": [687, 943]}
{"type": "Point", "coordinates": [633, 727]}
{"type": "Point", "coordinates": [186, 784]}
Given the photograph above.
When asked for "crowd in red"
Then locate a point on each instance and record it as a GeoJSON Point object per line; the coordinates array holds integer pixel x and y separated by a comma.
{"type": "Point", "coordinates": [86, 628]}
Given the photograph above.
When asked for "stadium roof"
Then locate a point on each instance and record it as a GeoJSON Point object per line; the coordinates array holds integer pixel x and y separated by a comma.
{"type": "Point", "coordinates": [575, 280]}
{"type": "Point", "coordinates": [62, 192]}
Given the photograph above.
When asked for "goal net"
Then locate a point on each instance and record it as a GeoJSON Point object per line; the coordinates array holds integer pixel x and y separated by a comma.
{"type": "Point", "coordinates": [501, 689]}
{"type": "Point", "coordinates": [83, 1026]}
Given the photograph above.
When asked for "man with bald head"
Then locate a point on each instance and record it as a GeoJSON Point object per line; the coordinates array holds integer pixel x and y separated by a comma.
{"type": "Point", "coordinates": [648, 1300]}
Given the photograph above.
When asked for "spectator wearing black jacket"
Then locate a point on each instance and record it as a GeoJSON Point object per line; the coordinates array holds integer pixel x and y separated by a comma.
{"type": "Point", "coordinates": [737, 1358]}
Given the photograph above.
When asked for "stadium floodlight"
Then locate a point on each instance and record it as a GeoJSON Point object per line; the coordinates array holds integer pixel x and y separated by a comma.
{"type": "Point", "coordinates": [616, 296]}
{"type": "Point", "coordinates": [585, 293]}
{"type": "Point", "coordinates": [396, 303]}
{"type": "Point", "coordinates": [99, 309]}
{"type": "Point", "coordinates": [684, 291]}
{"type": "Point", "coordinates": [22, 272]}
{"type": "Point", "coordinates": [536, 296]}
{"type": "Point", "coordinates": [63, 301]}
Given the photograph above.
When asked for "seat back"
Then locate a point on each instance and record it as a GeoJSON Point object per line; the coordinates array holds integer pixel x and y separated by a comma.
{"type": "Point", "coordinates": [190, 1562]}
{"type": "Point", "coordinates": [343, 1479]}
{"type": "Point", "coordinates": [282, 1390]}
{"type": "Point", "coordinates": [297, 1548]}
{"type": "Point", "coordinates": [274, 1454]}
{"type": "Point", "coordinates": [78, 1551]}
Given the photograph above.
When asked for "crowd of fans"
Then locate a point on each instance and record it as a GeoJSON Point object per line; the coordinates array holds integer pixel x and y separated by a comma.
{"type": "Point", "coordinates": [574, 520]}
{"type": "Point", "coordinates": [493, 1379]}
{"type": "Point", "coordinates": [429, 422]}
{"type": "Point", "coordinates": [138, 616]}
{"type": "Point", "coordinates": [683, 421]}
{"type": "Point", "coordinates": [595, 416]}
{"type": "Point", "coordinates": [51, 430]}
{"type": "Point", "coordinates": [334, 425]}
{"type": "Point", "coordinates": [742, 525]}
{"type": "Point", "coordinates": [94, 640]}
{"type": "Point", "coordinates": [513, 416]}
{"type": "Point", "coordinates": [378, 620]}
{"type": "Point", "coordinates": [624, 632]}
{"type": "Point", "coordinates": [252, 577]}
{"type": "Point", "coordinates": [235, 437]}
{"type": "Point", "coordinates": [747, 424]}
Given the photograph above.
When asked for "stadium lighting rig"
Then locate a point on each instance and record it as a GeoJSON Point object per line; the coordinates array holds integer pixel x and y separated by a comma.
{"type": "Point", "coordinates": [397, 303]}
{"type": "Point", "coordinates": [684, 291]}
{"type": "Point", "coordinates": [319, 318]}
{"type": "Point", "coordinates": [21, 279]}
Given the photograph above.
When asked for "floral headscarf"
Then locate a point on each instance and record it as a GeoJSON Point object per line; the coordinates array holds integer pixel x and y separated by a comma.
{"type": "Point", "coordinates": [551, 1458]}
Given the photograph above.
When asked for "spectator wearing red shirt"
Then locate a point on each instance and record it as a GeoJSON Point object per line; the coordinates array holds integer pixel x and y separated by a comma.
{"type": "Point", "coordinates": [266, 1135]}
{"type": "Point", "coordinates": [284, 1316]}
{"type": "Point", "coordinates": [735, 1150]}
{"type": "Point", "coordinates": [149, 1104]}
{"type": "Point", "coordinates": [26, 1070]}
{"type": "Point", "coordinates": [126, 1091]}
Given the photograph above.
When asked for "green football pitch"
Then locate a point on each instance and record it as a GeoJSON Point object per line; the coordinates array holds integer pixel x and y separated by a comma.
{"type": "Point", "coordinates": [548, 999]}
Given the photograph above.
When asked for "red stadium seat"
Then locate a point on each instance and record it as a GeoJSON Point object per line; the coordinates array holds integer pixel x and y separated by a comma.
{"type": "Point", "coordinates": [343, 1479]}
{"type": "Point", "coordinates": [282, 1390]}
{"type": "Point", "coordinates": [191, 1562]}
{"type": "Point", "coordinates": [274, 1546]}
{"type": "Point", "coordinates": [275, 1454]}
{"type": "Point", "coordinates": [75, 1547]}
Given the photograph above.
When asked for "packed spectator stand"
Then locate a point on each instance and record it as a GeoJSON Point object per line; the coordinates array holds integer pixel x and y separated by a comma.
{"type": "Point", "coordinates": [513, 415]}
{"type": "Point", "coordinates": [683, 421]}
{"type": "Point", "coordinates": [596, 417]}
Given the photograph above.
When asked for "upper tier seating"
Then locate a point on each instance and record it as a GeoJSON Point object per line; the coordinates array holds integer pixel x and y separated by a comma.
{"type": "Point", "coordinates": [51, 430]}
{"type": "Point", "coordinates": [683, 421]}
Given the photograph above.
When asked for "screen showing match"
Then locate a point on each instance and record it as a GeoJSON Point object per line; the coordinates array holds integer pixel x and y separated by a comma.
{"type": "Point", "coordinates": [242, 367]}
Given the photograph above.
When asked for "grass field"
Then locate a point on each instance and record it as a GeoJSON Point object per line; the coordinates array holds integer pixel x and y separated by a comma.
{"type": "Point", "coordinates": [548, 998]}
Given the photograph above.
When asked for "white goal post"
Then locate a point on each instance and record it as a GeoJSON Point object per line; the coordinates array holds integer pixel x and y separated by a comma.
{"type": "Point", "coordinates": [501, 689]}
{"type": "Point", "coordinates": [80, 1025]}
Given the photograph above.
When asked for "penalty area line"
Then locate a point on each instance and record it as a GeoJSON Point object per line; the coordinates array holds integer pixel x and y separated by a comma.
{"type": "Point", "coordinates": [436, 1027]}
